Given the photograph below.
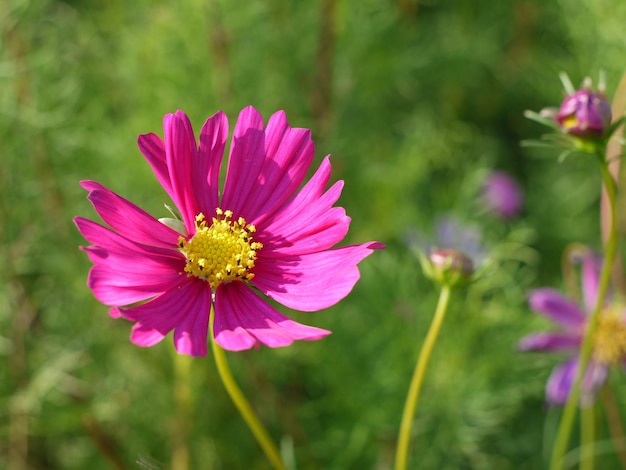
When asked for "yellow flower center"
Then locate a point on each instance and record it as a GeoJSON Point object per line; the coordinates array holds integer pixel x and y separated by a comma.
{"type": "Point", "coordinates": [221, 252]}
{"type": "Point", "coordinates": [570, 121]}
{"type": "Point", "coordinates": [609, 346]}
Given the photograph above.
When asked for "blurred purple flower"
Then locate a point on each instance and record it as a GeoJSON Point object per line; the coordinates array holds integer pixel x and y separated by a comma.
{"type": "Point", "coordinates": [503, 195]}
{"type": "Point", "coordinates": [585, 113]}
{"type": "Point", "coordinates": [609, 347]}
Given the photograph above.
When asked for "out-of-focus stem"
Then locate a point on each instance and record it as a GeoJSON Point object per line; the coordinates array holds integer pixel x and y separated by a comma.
{"type": "Point", "coordinates": [610, 250]}
{"type": "Point", "coordinates": [614, 422]}
{"type": "Point", "coordinates": [613, 157]}
{"type": "Point", "coordinates": [587, 437]}
{"type": "Point", "coordinates": [402, 450]}
{"type": "Point", "coordinates": [105, 444]}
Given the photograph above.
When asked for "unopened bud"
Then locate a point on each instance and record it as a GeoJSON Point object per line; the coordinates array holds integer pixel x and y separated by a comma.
{"type": "Point", "coordinates": [450, 267]}
{"type": "Point", "coordinates": [585, 114]}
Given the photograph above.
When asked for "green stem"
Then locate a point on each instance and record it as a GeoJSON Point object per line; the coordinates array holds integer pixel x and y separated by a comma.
{"type": "Point", "coordinates": [614, 422]}
{"type": "Point", "coordinates": [248, 415]}
{"type": "Point", "coordinates": [402, 450]}
{"type": "Point", "coordinates": [610, 250]}
{"type": "Point", "coordinates": [587, 437]}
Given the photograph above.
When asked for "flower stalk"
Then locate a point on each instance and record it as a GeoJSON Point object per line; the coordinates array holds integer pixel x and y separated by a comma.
{"type": "Point", "coordinates": [402, 449]}
{"type": "Point", "coordinates": [242, 405]}
{"type": "Point", "coordinates": [587, 437]}
{"type": "Point", "coordinates": [610, 250]}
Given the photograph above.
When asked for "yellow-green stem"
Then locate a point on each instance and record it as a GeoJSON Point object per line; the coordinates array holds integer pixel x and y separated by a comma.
{"type": "Point", "coordinates": [587, 437]}
{"type": "Point", "coordinates": [610, 250]}
{"type": "Point", "coordinates": [614, 422]}
{"type": "Point", "coordinates": [402, 450]}
{"type": "Point", "coordinates": [248, 415]}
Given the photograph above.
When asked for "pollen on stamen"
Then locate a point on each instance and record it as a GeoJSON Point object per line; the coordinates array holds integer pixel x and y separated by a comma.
{"type": "Point", "coordinates": [222, 252]}
{"type": "Point", "coordinates": [610, 339]}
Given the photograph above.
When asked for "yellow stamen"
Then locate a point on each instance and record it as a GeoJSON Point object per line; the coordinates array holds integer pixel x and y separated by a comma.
{"type": "Point", "coordinates": [570, 121]}
{"type": "Point", "coordinates": [221, 252]}
{"type": "Point", "coordinates": [610, 339]}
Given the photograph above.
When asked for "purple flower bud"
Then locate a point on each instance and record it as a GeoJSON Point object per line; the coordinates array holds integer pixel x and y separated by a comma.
{"type": "Point", "coordinates": [585, 113]}
{"type": "Point", "coordinates": [503, 195]}
{"type": "Point", "coordinates": [453, 260]}
{"type": "Point", "coordinates": [450, 266]}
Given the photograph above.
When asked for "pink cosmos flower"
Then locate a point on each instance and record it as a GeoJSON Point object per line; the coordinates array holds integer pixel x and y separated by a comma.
{"type": "Point", "coordinates": [259, 234]}
{"type": "Point", "coordinates": [609, 345]}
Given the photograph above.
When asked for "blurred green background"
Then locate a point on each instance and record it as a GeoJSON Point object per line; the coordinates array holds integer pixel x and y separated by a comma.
{"type": "Point", "coordinates": [416, 102]}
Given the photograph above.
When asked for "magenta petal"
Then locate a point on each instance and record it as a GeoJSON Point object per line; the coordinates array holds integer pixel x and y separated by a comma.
{"type": "Point", "coordinates": [183, 308]}
{"type": "Point", "coordinates": [556, 306]}
{"type": "Point", "coordinates": [265, 167]}
{"type": "Point", "coordinates": [244, 162]}
{"type": "Point", "coordinates": [562, 379]}
{"type": "Point", "coordinates": [190, 336]}
{"type": "Point", "coordinates": [307, 223]}
{"type": "Point", "coordinates": [104, 237]}
{"type": "Point", "coordinates": [180, 153]}
{"type": "Point", "coordinates": [128, 219]}
{"type": "Point", "coordinates": [594, 379]}
{"type": "Point", "coordinates": [243, 320]}
{"type": "Point", "coordinates": [549, 342]}
{"type": "Point", "coordinates": [560, 382]}
{"type": "Point", "coordinates": [153, 150]}
{"type": "Point", "coordinates": [124, 271]}
{"type": "Point", "coordinates": [208, 162]}
{"type": "Point", "coordinates": [314, 281]}
{"type": "Point", "coordinates": [591, 267]}
{"type": "Point", "coordinates": [288, 155]}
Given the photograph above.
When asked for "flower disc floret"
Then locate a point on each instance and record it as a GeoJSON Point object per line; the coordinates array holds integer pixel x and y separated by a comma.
{"type": "Point", "coordinates": [222, 252]}
{"type": "Point", "coordinates": [609, 345]}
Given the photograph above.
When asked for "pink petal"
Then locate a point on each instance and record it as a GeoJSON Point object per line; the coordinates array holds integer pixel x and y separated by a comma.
{"type": "Point", "coordinates": [562, 379]}
{"type": "Point", "coordinates": [594, 379]}
{"type": "Point", "coordinates": [265, 167]}
{"type": "Point", "coordinates": [243, 320]}
{"type": "Point", "coordinates": [182, 308]}
{"type": "Point", "coordinates": [153, 149]}
{"type": "Point", "coordinates": [190, 336]}
{"type": "Point", "coordinates": [128, 219]}
{"type": "Point", "coordinates": [590, 272]}
{"type": "Point", "coordinates": [124, 271]}
{"type": "Point", "coordinates": [314, 281]}
{"type": "Point", "coordinates": [180, 154]}
{"type": "Point", "coordinates": [244, 161]}
{"type": "Point", "coordinates": [557, 307]}
{"type": "Point", "coordinates": [549, 342]}
{"type": "Point", "coordinates": [208, 162]}
{"type": "Point", "coordinates": [307, 223]}
{"type": "Point", "coordinates": [560, 382]}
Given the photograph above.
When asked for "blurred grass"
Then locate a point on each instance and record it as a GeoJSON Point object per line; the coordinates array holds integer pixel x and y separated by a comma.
{"type": "Point", "coordinates": [415, 102]}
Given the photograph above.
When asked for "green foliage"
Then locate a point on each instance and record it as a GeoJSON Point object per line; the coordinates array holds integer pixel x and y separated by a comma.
{"type": "Point", "coordinates": [415, 102]}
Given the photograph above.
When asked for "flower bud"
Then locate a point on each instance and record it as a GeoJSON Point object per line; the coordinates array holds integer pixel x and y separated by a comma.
{"type": "Point", "coordinates": [585, 114]}
{"type": "Point", "coordinates": [450, 267]}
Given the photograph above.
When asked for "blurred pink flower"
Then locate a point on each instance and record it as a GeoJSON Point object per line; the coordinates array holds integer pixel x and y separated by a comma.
{"type": "Point", "coordinates": [258, 233]}
{"type": "Point", "coordinates": [609, 345]}
{"type": "Point", "coordinates": [503, 195]}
